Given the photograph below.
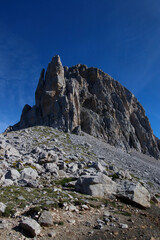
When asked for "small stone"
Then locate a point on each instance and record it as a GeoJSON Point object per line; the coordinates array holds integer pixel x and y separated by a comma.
{"type": "Point", "coordinates": [91, 232]}
{"type": "Point", "coordinates": [86, 144]}
{"type": "Point", "coordinates": [2, 207]}
{"type": "Point", "coordinates": [106, 220]}
{"type": "Point", "coordinates": [22, 183]}
{"type": "Point", "coordinates": [112, 225]}
{"type": "Point", "coordinates": [51, 167]}
{"type": "Point", "coordinates": [71, 221]}
{"type": "Point", "coordinates": [33, 184]}
{"type": "Point", "coordinates": [52, 234]}
{"type": "Point", "coordinates": [114, 219]}
{"type": "Point", "coordinates": [106, 214]}
{"type": "Point", "coordinates": [157, 180]}
{"type": "Point", "coordinates": [99, 226]}
{"type": "Point", "coordinates": [21, 198]}
{"type": "Point", "coordinates": [88, 224]}
{"type": "Point", "coordinates": [99, 221]}
{"type": "Point", "coordinates": [124, 226]}
{"type": "Point", "coordinates": [115, 233]}
{"type": "Point", "coordinates": [3, 224]}
{"type": "Point", "coordinates": [72, 208]}
{"type": "Point", "coordinates": [85, 207]}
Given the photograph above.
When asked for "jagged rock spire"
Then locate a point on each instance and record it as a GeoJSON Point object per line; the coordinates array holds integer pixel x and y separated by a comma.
{"type": "Point", "coordinates": [54, 79]}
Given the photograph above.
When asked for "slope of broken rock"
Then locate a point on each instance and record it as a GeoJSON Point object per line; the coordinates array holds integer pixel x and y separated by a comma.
{"type": "Point", "coordinates": [39, 168]}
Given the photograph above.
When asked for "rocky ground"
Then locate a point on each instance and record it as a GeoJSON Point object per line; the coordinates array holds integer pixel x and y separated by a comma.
{"type": "Point", "coordinates": [57, 185]}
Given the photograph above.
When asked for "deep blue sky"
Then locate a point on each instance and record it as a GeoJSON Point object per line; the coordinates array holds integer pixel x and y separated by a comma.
{"type": "Point", "coordinates": [121, 37]}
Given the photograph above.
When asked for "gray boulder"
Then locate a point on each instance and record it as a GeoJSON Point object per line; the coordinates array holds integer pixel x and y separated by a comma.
{"type": "Point", "coordinates": [62, 174]}
{"type": "Point", "coordinates": [28, 173]}
{"type": "Point", "coordinates": [98, 186]}
{"type": "Point", "coordinates": [12, 174]}
{"type": "Point", "coordinates": [51, 167]}
{"type": "Point", "coordinates": [134, 193]}
{"type": "Point", "coordinates": [7, 183]}
{"type": "Point", "coordinates": [45, 219]}
{"type": "Point", "coordinates": [30, 226]}
{"type": "Point", "coordinates": [11, 151]}
{"type": "Point", "coordinates": [4, 224]}
{"type": "Point", "coordinates": [98, 166]}
{"type": "Point", "coordinates": [62, 165]}
{"type": "Point", "coordinates": [33, 184]}
{"type": "Point", "coordinates": [36, 150]}
{"type": "Point", "coordinates": [48, 157]}
{"type": "Point", "coordinates": [73, 167]}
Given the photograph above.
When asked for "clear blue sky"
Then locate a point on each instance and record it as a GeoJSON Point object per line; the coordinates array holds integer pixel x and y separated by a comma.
{"type": "Point", "coordinates": [121, 37]}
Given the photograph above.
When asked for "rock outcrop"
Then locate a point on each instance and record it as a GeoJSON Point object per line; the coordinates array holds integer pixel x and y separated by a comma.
{"type": "Point", "coordinates": [85, 98]}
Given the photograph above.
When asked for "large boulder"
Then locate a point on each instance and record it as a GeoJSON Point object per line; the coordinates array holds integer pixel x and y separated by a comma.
{"type": "Point", "coordinates": [12, 174]}
{"type": "Point", "coordinates": [28, 174]}
{"type": "Point", "coordinates": [98, 185]}
{"type": "Point", "coordinates": [30, 226]}
{"type": "Point", "coordinates": [45, 218]}
{"type": "Point", "coordinates": [47, 157]}
{"type": "Point", "coordinates": [135, 193]}
{"type": "Point", "coordinates": [51, 167]}
{"type": "Point", "coordinates": [7, 149]}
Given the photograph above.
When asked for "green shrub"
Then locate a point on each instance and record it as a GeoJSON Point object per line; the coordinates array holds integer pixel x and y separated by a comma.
{"type": "Point", "coordinates": [127, 214]}
{"type": "Point", "coordinates": [9, 211]}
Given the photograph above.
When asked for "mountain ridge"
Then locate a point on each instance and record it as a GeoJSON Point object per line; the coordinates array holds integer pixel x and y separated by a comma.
{"type": "Point", "coordinates": [81, 98]}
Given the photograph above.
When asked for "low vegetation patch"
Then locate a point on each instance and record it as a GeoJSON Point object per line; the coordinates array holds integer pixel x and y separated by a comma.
{"type": "Point", "coordinates": [63, 181]}
{"type": "Point", "coordinates": [127, 214]}
{"type": "Point", "coordinates": [114, 176]}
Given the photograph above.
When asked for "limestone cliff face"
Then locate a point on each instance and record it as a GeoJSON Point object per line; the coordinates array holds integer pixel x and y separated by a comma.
{"type": "Point", "coordinates": [89, 99]}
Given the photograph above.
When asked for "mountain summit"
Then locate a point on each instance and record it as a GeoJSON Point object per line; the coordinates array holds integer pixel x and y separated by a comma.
{"type": "Point", "coordinates": [87, 99]}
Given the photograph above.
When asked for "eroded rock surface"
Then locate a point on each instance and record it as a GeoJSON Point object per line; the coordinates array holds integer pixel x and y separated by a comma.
{"type": "Point", "coordinates": [87, 98]}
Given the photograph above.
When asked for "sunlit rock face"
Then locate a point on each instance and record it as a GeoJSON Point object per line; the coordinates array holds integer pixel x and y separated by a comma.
{"type": "Point", "coordinates": [85, 98]}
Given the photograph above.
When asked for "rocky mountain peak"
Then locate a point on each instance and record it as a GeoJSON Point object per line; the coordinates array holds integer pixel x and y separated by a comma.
{"type": "Point", "coordinates": [56, 60]}
{"type": "Point", "coordinates": [85, 98]}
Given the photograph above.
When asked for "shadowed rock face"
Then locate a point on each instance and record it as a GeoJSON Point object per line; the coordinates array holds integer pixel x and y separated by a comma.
{"type": "Point", "coordinates": [87, 98]}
